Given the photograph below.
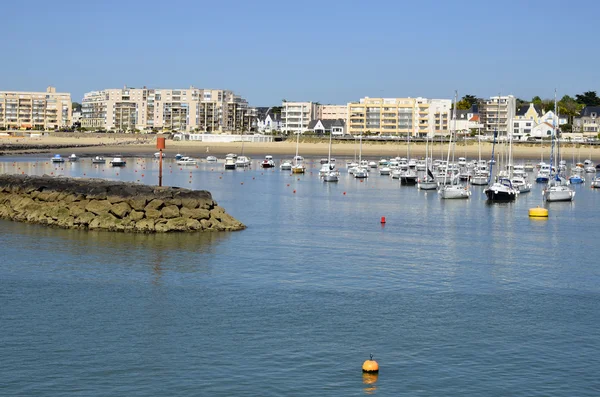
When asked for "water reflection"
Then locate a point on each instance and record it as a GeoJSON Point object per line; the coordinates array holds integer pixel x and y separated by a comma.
{"type": "Point", "coordinates": [370, 380]}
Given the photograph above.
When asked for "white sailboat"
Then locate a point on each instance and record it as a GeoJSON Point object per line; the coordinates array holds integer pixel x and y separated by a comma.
{"type": "Point", "coordinates": [428, 182]}
{"type": "Point", "coordinates": [298, 167]}
{"type": "Point", "coordinates": [360, 171]}
{"type": "Point", "coordinates": [328, 171]}
{"type": "Point", "coordinates": [557, 189]}
{"type": "Point", "coordinates": [409, 175]}
{"type": "Point", "coordinates": [453, 191]}
{"type": "Point", "coordinates": [480, 173]}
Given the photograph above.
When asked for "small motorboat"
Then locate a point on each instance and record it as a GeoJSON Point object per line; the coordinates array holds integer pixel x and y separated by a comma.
{"type": "Point", "coordinates": [232, 155]}
{"type": "Point", "coordinates": [185, 160]}
{"type": "Point", "coordinates": [595, 183]}
{"type": "Point", "coordinates": [286, 165]}
{"type": "Point", "coordinates": [73, 157]}
{"type": "Point", "coordinates": [211, 159]}
{"type": "Point", "coordinates": [98, 160]}
{"type": "Point", "coordinates": [118, 162]}
{"type": "Point", "coordinates": [242, 161]}
{"type": "Point", "coordinates": [229, 163]}
{"type": "Point", "coordinates": [178, 156]}
{"type": "Point", "coordinates": [268, 162]}
{"type": "Point", "coordinates": [57, 158]}
{"type": "Point", "coordinates": [576, 179]}
{"type": "Point", "coordinates": [157, 155]}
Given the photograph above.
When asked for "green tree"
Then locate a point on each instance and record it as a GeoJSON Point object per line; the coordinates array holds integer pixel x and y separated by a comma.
{"type": "Point", "coordinates": [76, 106]}
{"type": "Point", "coordinates": [466, 102]}
{"type": "Point", "coordinates": [588, 98]}
{"type": "Point", "coordinates": [536, 100]}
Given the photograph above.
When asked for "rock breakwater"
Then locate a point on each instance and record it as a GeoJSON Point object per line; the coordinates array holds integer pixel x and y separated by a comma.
{"type": "Point", "coordinates": [97, 204]}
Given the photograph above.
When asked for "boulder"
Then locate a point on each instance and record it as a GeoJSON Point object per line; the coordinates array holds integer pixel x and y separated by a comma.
{"type": "Point", "coordinates": [138, 203]}
{"type": "Point", "coordinates": [176, 224]}
{"type": "Point", "coordinates": [98, 207]}
{"type": "Point", "coordinates": [170, 211]}
{"type": "Point", "coordinates": [136, 215]}
{"type": "Point", "coordinates": [196, 213]}
{"type": "Point", "coordinates": [193, 224]}
{"type": "Point", "coordinates": [84, 219]}
{"type": "Point", "coordinates": [120, 210]}
{"type": "Point", "coordinates": [104, 221]}
{"type": "Point", "coordinates": [155, 204]}
{"type": "Point", "coordinates": [144, 226]}
{"type": "Point", "coordinates": [152, 214]}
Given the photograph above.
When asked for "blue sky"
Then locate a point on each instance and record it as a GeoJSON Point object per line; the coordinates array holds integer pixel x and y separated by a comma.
{"type": "Point", "coordinates": [326, 51]}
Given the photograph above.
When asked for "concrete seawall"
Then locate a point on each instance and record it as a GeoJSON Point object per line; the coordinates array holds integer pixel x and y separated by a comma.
{"type": "Point", "coordinates": [97, 204]}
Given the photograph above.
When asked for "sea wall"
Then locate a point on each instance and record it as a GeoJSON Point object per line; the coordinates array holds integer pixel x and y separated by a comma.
{"type": "Point", "coordinates": [97, 204]}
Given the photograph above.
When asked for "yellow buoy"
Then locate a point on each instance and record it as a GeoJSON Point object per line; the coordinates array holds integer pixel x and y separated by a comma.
{"type": "Point", "coordinates": [538, 212]}
{"type": "Point", "coordinates": [370, 366]}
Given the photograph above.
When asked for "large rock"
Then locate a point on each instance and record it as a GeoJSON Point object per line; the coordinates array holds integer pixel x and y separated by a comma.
{"type": "Point", "coordinates": [152, 214]}
{"type": "Point", "coordinates": [120, 210]}
{"type": "Point", "coordinates": [98, 207]}
{"type": "Point", "coordinates": [196, 213]}
{"type": "Point", "coordinates": [138, 203]}
{"type": "Point", "coordinates": [136, 215]}
{"type": "Point", "coordinates": [145, 226]}
{"type": "Point", "coordinates": [155, 204]}
{"type": "Point", "coordinates": [105, 222]}
{"type": "Point", "coordinates": [171, 211]}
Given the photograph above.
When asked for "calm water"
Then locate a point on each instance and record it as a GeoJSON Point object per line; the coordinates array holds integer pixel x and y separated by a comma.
{"type": "Point", "coordinates": [452, 297]}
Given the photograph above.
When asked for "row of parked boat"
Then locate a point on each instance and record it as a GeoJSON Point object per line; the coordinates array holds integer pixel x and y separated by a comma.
{"type": "Point", "coordinates": [115, 162]}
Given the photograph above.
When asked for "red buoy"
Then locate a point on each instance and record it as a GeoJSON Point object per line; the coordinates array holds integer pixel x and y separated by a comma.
{"type": "Point", "coordinates": [383, 219]}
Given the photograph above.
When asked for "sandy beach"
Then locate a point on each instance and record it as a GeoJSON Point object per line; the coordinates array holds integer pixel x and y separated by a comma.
{"type": "Point", "coordinates": [146, 145]}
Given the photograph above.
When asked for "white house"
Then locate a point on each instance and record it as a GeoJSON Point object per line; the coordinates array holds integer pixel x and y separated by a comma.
{"type": "Point", "coordinates": [270, 123]}
{"type": "Point", "coordinates": [322, 127]}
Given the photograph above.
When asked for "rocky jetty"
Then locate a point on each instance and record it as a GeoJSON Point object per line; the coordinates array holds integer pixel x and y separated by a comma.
{"type": "Point", "coordinates": [97, 204]}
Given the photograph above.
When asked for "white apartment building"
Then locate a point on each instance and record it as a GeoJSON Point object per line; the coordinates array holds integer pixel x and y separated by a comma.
{"type": "Point", "coordinates": [35, 110]}
{"type": "Point", "coordinates": [418, 117]}
{"type": "Point", "coordinates": [182, 110]}
{"type": "Point", "coordinates": [497, 113]}
{"type": "Point", "coordinates": [295, 116]}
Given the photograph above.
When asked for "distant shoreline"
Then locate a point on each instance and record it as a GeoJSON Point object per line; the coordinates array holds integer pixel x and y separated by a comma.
{"type": "Point", "coordinates": [137, 146]}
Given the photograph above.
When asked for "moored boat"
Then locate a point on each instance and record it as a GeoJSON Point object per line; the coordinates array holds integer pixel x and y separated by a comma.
{"type": "Point", "coordinates": [118, 162]}
{"type": "Point", "coordinates": [57, 158]}
{"type": "Point", "coordinates": [98, 160]}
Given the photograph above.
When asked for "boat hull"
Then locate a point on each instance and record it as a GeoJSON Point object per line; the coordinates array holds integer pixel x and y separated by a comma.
{"type": "Point", "coordinates": [553, 195]}
{"type": "Point", "coordinates": [408, 180]}
{"type": "Point", "coordinates": [500, 195]}
{"type": "Point", "coordinates": [454, 192]}
{"type": "Point", "coordinates": [430, 185]}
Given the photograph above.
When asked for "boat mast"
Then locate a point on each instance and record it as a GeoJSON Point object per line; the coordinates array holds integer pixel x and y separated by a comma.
{"type": "Point", "coordinates": [494, 140]}
{"type": "Point", "coordinates": [552, 154]}
{"type": "Point", "coordinates": [329, 155]}
{"type": "Point", "coordinates": [298, 135]}
{"type": "Point", "coordinates": [450, 142]}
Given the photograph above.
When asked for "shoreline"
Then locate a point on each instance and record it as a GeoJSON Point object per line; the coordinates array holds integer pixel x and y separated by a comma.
{"type": "Point", "coordinates": [131, 147]}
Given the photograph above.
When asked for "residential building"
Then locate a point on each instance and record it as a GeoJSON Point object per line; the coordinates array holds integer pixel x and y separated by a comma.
{"type": "Point", "coordinates": [588, 121]}
{"type": "Point", "coordinates": [526, 118]}
{"type": "Point", "coordinates": [35, 110]}
{"type": "Point", "coordinates": [295, 116]}
{"type": "Point", "coordinates": [497, 113]}
{"type": "Point", "coordinates": [417, 117]}
{"type": "Point", "coordinates": [327, 126]}
{"type": "Point", "coordinates": [269, 122]}
{"type": "Point", "coordinates": [467, 121]}
{"type": "Point", "coordinates": [332, 112]}
{"type": "Point", "coordinates": [143, 109]}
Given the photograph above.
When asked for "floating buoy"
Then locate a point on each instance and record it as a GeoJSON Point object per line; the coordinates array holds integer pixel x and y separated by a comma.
{"type": "Point", "coordinates": [370, 366]}
{"type": "Point", "coordinates": [241, 183]}
{"type": "Point", "coordinates": [288, 184]}
{"type": "Point", "coordinates": [383, 219]}
{"type": "Point", "coordinates": [294, 190]}
{"type": "Point", "coordinates": [538, 212]}
{"type": "Point", "coordinates": [344, 193]}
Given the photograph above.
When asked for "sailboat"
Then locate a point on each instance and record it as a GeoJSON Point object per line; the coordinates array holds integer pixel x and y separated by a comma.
{"type": "Point", "coordinates": [360, 171]}
{"type": "Point", "coordinates": [481, 175]}
{"type": "Point", "coordinates": [327, 171]}
{"type": "Point", "coordinates": [502, 188]}
{"type": "Point", "coordinates": [242, 161]}
{"type": "Point", "coordinates": [409, 176]}
{"type": "Point", "coordinates": [298, 167]}
{"type": "Point", "coordinates": [557, 189]}
{"type": "Point", "coordinates": [428, 182]}
{"type": "Point", "coordinates": [453, 191]}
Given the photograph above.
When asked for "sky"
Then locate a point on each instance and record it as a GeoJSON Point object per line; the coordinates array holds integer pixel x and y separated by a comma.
{"type": "Point", "coordinates": [324, 51]}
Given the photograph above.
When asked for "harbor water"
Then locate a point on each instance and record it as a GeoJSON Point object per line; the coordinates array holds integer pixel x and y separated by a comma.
{"type": "Point", "coordinates": [451, 297]}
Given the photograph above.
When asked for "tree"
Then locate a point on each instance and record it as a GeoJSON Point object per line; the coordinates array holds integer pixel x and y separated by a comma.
{"type": "Point", "coordinates": [536, 100]}
{"type": "Point", "coordinates": [466, 102]}
{"type": "Point", "coordinates": [588, 98]}
{"type": "Point", "coordinates": [76, 106]}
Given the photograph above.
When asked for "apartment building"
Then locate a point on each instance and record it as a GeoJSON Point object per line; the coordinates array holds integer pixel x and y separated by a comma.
{"type": "Point", "coordinates": [35, 110]}
{"type": "Point", "coordinates": [296, 116]}
{"type": "Point", "coordinates": [497, 113]}
{"type": "Point", "coordinates": [332, 112]}
{"type": "Point", "coordinates": [418, 117]}
{"type": "Point", "coordinates": [143, 109]}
